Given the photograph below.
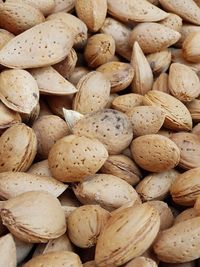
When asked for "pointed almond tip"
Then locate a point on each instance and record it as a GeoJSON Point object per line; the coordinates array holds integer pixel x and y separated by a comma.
{"type": "Point", "coordinates": [71, 117]}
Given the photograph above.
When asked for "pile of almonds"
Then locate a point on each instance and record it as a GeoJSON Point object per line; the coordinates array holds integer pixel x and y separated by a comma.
{"type": "Point", "coordinates": [99, 133]}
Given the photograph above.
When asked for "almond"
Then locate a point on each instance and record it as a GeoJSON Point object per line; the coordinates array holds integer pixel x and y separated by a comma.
{"type": "Point", "coordinates": [173, 22]}
{"type": "Point", "coordinates": [8, 251]}
{"type": "Point", "coordinates": [5, 37]}
{"type": "Point", "coordinates": [186, 215]}
{"type": "Point", "coordinates": [8, 117]}
{"type": "Point", "coordinates": [161, 83]}
{"type": "Point", "coordinates": [141, 262]}
{"type": "Point", "coordinates": [127, 102]}
{"type": "Point", "coordinates": [186, 29]}
{"type": "Point", "coordinates": [194, 109]}
{"type": "Point", "coordinates": [40, 168]}
{"type": "Point", "coordinates": [191, 51]}
{"type": "Point", "coordinates": [196, 129]}
{"type": "Point", "coordinates": [63, 5]}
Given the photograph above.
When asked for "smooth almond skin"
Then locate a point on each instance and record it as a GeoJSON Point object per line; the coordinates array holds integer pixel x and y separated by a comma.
{"type": "Point", "coordinates": [189, 146]}
{"type": "Point", "coordinates": [110, 127]}
{"type": "Point", "coordinates": [133, 11]}
{"type": "Point", "coordinates": [93, 93]}
{"type": "Point", "coordinates": [180, 243]}
{"type": "Point", "coordinates": [126, 102]}
{"type": "Point", "coordinates": [13, 184]}
{"type": "Point", "coordinates": [190, 48]}
{"type": "Point", "coordinates": [143, 78]}
{"type": "Point", "coordinates": [177, 116]}
{"type": "Point", "coordinates": [155, 153]}
{"type": "Point", "coordinates": [18, 146]}
{"type": "Point", "coordinates": [73, 158]}
{"type": "Point", "coordinates": [132, 232]}
{"type": "Point", "coordinates": [8, 117]}
{"type": "Point", "coordinates": [173, 22]}
{"type": "Point", "coordinates": [184, 83]}
{"type": "Point", "coordinates": [34, 217]}
{"type": "Point", "coordinates": [186, 215]}
{"type": "Point", "coordinates": [63, 5]}
{"type": "Point", "coordinates": [119, 74]}
{"type": "Point", "coordinates": [156, 186]}
{"type": "Point", "coordinates": [141, 262]}
{"type": "Point", "coordinates": [161, 83]}
{"type": "Point", "coordinates": [121, 34]}
{"type": "Point", "coordinates": [5, 37]}
{"type": "Point", "coordinates": [146, 120]}
{"type": "Point", "coordinates": [50, 82]}
{"type": "Point", "coordinates": [146, 34]}
{"type": "Point", "coordinates": [8, 251]}
{"type": "Point", "coordinates": [194, 109]}
{"type": "Point", "coordinates": [185, 188]}
{"type": "Point", "coordinates": [122, 167]}
{"type": "Point", "coordinates": [50, 40]}
{"type": "Point", "coordinates": [188, 10]}
{"type": "Point", "coordinates": [85, 224]}
{"type": "Point", "coordinates": [58, 259]}
{"type": "Point", "coordinates": [93, 13]}
{"type": "Point", "coordinates": [108, 191]}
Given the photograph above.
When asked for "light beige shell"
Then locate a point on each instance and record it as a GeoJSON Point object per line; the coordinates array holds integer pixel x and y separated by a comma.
{"type": "Point", "coordinates": [119, 74]}
{"type": "Point", "coordinates": [146, 119]}
{"type": "Point", "coordinates": [73, 158]}
{"type": "Point", "coordinates": [189, 146]}
{"type": "Point", "coordinates": [77, 74]}
{"type": "Point", "coordinates": [23, 249]}
{"type": "Point", "coordinates": [185, 188]}
{"type": "Point", "coordinates": [186, 215]}
{"type": "Point", "coordinates": [51, 82]}
{"type": "Point", "coordinates": [186, 29]}
{"type": "Point", "coordinates": [179, 243]}
{"type": "Point", "coordinates": [58, 259]}
{"type": "Point", "coordinates": [155, 153]}
{"type": "Point", "coordinates": [40, 168]}
{"type": "Point", "coordinates": [190, 48]}
{"type": "Point", "coordinates": [109, 191]}
{"type": "Point", "coordinates": [143, 78]}
{"type": "Point", "coordinates": [5, 37]}
{"type": "Point", "coordinates": [127, 102]}
{"type": "Point", "coordinates": [85, 224]}
{"type": "Point", "coordinates": [109, 126]}
{"type": "Point", "coordinates": [120, 34]}
{"type": "Point", "coordinates": [63, 5]}
{"type": "Point", "coordinates": [34, 217]}
{"type": "Point", "coordinates": [93, 93]}
{"type": "Point", "coordinates": [8, 117]}
{"type": "Point", "coordinates": [13, 184]}
{"type": "Point", "coordinates": [18, 90]}
{"type": "Point", "coordinates": [146, 34]}
{"type": "Point", "coordinates": [156, 186]}
{"type": "Point", "coordinates": [177, 116]}
{"type": "Point", "coordinates": [15, 16]}
{"type": "Point", "coordinates": [134, 11]}
{"type": "Point", "coordinates": [194, 109]}
{"type": "Point", "coordinates": [18, 146]}
{"type": "Point", "coordinates": [92, 12]}
{"type": "Point", "coordinates": [51, 41]}
{"type": "Point", "coordinates": [8, 251]}
{"type": "Point", "coordinates": [30, 118]}
{"type": "Point", "coordinates": [173, 21]}
{"type": "Point", "coordinates": [127, 235]}
{"type": "Point", "coordinates": [141, 262]}
{"type": "Point", "coordinates": [160, 61]}
{"type": "Point", "coordinates": [122, 167]}
{"type": "Point", "coordinates": [161, 83]}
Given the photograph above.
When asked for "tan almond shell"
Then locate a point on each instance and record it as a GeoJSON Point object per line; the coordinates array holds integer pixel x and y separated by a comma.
{"type": "Point", "coordinates": [186, 215]}
{"type": "Point", "coordinates": [122, 167]}
{"type": "Point", "coordinates": [92, 12]}
{"type": "Point", "coordinates": [50, 82]}
{"type": "Point", "coordinates": [196, 129]}
{"type": "Point", "coordinates": [134, 11]}
{"type": "Point", "coordinates": [106, 190]}
{"type": "Point", "coordinates": [143, 78]}
{"type": "Point", "coordinates": [15, 16]}
{"type": "Point", "coordinates": [186, 29]}
{"type": "Point", "coordinates": [146, 34]}
{"type": "Point", "coordinates": [18, 147]}
{"type": "Point", "coordinates": [166, 216]}
{"type": "Point", "coordinates": [146, 120]}
{"type": "Point", "coordinates": [141, 262]}
{"type": "Point", "coordinates": [8, 117]}
{"type": "Point", "coordinates": [190, 48]}
{"type": "Point", "coordinates": [57, 103]}
{"type": "Point", "coordinates": [85, 224]}
{"type": "Point", "coordinates": [23, 249]}
{"type": "Point", "coordinates": [77, 26]}
{"type": "Point", "coordinates": [121, 34]}
{"type": "Point", "coordinates": [189, 146]}
{"type": "Point", "coordinates": [185, 188]}
{"type": "Point", "coordinates": [127, 102]}
{"type": "Point", "coordinates": [93, 93]}
{"type": "Point", "coordinates": [58, 259]}
{"type": "Point", "coordinates": [183, 82]}
{"type": "Point", "coordinates": [18, 90]}
{"type": "Point", "coordinates": [155, 153]}
{"type": "Point", "coordinates": [13, 184]}
{"type": "Point", "coordinates": [30, 118]}
{"type": "Point", "coordinates": [132, 232]}
{"type": "Point", "coordinates": [5, 37]}
{"type": "Point", "coordinates": [34, 217]}
{"type": "Point", "coordinates": [73, 158]}
{"type": "Point", "coordinates": [161, 83]}
{"type": "Point", "coordinates": [40, 168]}
{"type": "Point", "coordinates": [68, 210]}
{"type": "Point", "coordinates": [173, 21]}
{"type": "Point", "coordinates": [188, 10]}
{"type": "Point", "coordinates": [100, 49]}
{"type": "Point", "coordinates": [63, 5]}
{"type": "Point", "coordinates": [119, 74]}
{"type": "Point", "coordinates": [177, 116]}
{"type": "Point", "coordinates": [111, 127]}
{"type": "Point", "coordinates": [180, 243]}
{"type": "Point", "coordinates": [51, 41]}
{"type": "Point", "coordinates": [166, 133]}
{"type": "Point", "coordinates": [48, 130]}
{"type": "Point", "coordinates": [194, 109]}
{"type": "Point", "coordinates": [8, 251]}
{"type": "Point", "coordinates": [77, 74]}
{"type": "Point", "coordinates": [156, 186]}
{"type": "Point", "coordinates": [160, 61]}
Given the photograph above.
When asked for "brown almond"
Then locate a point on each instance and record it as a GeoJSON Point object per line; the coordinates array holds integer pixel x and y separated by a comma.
{"type": "Point", "coordinates": [127, 102]}
{"type": "Point", "coordinates": [186, 215]}
{"type": "Point", "coordinates": [173, 22]}
{"type": "Point", "coordinates": [8, 251]}
{"type": "Point", "coordinates": [161, 83]}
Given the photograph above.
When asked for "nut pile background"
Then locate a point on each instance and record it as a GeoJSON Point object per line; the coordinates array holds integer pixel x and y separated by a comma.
{"type": "Point", "coordinates": [99, 133]}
